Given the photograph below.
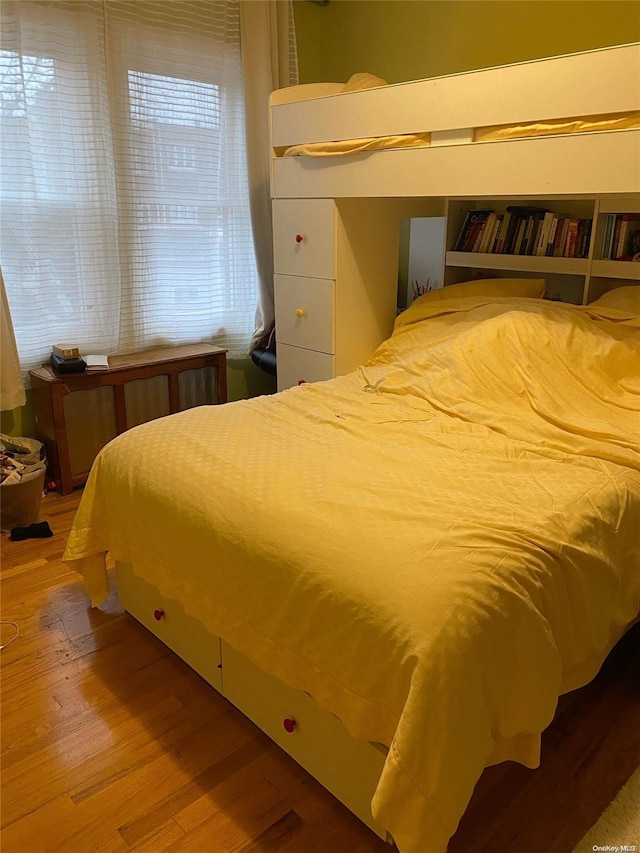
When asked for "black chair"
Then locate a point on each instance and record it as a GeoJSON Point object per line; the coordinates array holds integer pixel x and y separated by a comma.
{"type": "Point", "coordinates": [265, 359]}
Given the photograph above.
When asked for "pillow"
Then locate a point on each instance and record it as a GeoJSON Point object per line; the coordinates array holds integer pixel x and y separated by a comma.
{"type": "Point", "coordinates": [363, 80]}
{"type": "Point", "coordinates": [531, 287]}
{"type": "Point", "coordinates": [624, 298]}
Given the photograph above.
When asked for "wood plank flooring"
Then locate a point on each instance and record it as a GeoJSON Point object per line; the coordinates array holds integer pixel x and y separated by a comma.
{"type": "Point", "coordinates": [111, 743]}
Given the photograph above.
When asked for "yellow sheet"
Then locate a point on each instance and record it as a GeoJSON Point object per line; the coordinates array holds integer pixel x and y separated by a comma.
{"type": "Point", "coordinates": [357, 146]}
{"type": "Point", "coordinates": [493, 133]}
{"type": "Point", "coordinates": [434, 546]}
{"type": "Point", "coordinates": [586, 124]}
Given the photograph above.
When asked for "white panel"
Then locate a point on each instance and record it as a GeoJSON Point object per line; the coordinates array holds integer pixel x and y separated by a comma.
{"type": "Point", "coordinates": [305, 312]}
{"type": "Point", "coordinates": [304, 237]}
{"type": "Point", "coordinates": [368, 236]}
{"type": "Point", "coordinates": [578, 164]}
{"type": "Point", "coordinates": [588, 83]}
{"type": "Point", "coordinates": [426, 255]}
{"type": "Point", "coordinates": [166, 618]}
{"type": "Point", "coordinates": [349, 768]}
{"type": "Point", "coordinates": [297, 366]}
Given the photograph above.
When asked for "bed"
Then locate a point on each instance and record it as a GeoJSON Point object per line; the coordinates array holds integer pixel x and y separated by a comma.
{"type": "Point", "coordinates": [396, 572]}
{"type": "Point", "coordinates": [429, 549]}
{"type": "Point", "coordinates": [564, 125]}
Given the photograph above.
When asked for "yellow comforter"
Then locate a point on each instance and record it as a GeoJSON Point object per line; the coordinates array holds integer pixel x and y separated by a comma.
{"type": "Point", "coordinates": [434, 546]}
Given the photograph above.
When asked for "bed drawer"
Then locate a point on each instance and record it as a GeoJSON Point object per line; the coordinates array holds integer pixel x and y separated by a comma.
{"type": "Point", "coordinates": [165, 618]}
{"type": "Point", "coordinates": [316, 739]}
{"type": "Point", "coordinates": [304, 311]}
{"type": "Point", "coordinates": [304, 237]}
{"type": "Point", "coordinates": [297, 365]}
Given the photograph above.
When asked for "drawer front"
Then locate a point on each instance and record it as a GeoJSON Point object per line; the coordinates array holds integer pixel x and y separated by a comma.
{"type": "Point", "coordinates": [316, 739]}
{"type": "Point", "coordinates": [304, 311]}
{"type": "Point", "coordinates": [296, 365]}
{"type": "Point", "coordinates": [304, 237]}
{"type": "Point", "coordinates": [166, 619]}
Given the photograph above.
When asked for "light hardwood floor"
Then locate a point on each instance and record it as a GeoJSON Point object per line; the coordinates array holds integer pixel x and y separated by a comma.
{"type": "Point", "coordinates": [110, 743]}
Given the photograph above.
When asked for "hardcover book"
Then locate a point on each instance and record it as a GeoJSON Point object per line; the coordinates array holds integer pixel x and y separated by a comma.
{"type": "Point", "coordinates": [487, 233]}
{"type": "Point", "coordinates": [68, 365]}
{"type": "Point", "coordinates": [505, 233]}
{"type": "Point", "coordinates": [629, 223]}
{"type": "Point", "coordinates": [607, 239]}
{"type": "Point", "coordinates": [472, 217]}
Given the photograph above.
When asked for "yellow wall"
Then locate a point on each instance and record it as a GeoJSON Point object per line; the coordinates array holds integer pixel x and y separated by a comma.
{"type": "Point", "coordinates": [411, 39]}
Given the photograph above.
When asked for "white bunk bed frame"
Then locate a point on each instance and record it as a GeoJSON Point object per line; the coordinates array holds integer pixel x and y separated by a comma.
{"type": "Point", "coordinates": [362, 198]}
{"type": "Point", "coordinates": [356, 246]}
{"type": "Point", "coordinates": [592, 83]}
{"type": "Point", "coordinates": [344, 211]}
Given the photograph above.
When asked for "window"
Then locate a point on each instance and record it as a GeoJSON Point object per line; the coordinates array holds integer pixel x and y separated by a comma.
{"type": "Point", "coordinates": [125, 211]}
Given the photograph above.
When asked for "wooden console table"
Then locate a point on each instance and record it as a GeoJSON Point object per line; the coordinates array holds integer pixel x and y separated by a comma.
{"type": "Point", "coordinates": [78, 413]}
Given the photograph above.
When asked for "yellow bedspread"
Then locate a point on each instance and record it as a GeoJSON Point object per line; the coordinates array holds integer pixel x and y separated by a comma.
{"type": "Point", "coordinates": [434, 546]}
{"type": "Point", "coordinates": [494, 133]}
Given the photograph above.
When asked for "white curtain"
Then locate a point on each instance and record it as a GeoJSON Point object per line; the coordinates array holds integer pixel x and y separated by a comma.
{"type": "Point", "coordinates": [12, 392]}
{"type": "Point", "coordinates": [125, 200]}
{"type": "Point", "coordinates": [269, 61]}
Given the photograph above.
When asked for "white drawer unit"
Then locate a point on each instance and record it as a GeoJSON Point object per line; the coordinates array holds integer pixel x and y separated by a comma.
{"type": "Point", "coordinates": [166, 618]}
{"type": "Point", "coordinates": [336, 272]}
{"type": "Point", "coordinates": [304, 310]}
{"type": "Point", "coordinates": [304, 248]}
{"type": "Point", "coordinates": [316, 739]}
{"type": "Point", "coordinates": [297, 366]}
{"type": "Point", "coordinates": [304, 241]}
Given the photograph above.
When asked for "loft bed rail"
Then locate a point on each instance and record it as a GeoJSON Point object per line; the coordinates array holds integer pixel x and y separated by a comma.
{"type": "Point", "coordinates": [455, 112]}
{"type": "Point", "coordinates": [592, 83]}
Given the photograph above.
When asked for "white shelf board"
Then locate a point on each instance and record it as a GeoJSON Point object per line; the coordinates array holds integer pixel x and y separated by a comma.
{"type": "Point", "coordinates": [620, 204]}
{"type": "Point", "coordinates": [519, 263]}
{"type": "Point", "coordinates": [616, 269]}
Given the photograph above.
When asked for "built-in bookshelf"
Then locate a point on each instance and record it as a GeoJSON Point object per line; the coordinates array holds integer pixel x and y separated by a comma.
{"type": "Point", "coordinates": [621, 239]}
{"type": "Point", "coordinates": [526, 230]}
{"type": "Point", "coordinates": [581, 246]}
{"type": "Point", "coordinates": [607, 271]}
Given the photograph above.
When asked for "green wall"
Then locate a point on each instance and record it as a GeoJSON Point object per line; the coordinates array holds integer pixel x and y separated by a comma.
{"type": "Point", "coordinates": [411, 39]}
{"type": "Point", "coordinates": [19, 421]}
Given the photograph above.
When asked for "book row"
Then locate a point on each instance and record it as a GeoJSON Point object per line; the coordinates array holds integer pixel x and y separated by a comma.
{"type": "Point", "coordinates": [524, 231]}
{"type": "Point", "coordinates": [621, 237]}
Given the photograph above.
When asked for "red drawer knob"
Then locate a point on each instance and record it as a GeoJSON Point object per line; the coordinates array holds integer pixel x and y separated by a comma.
{"type": "Point", "coordinates": [302, 381]}
{"type": "Point", "coordinates": [289, 725]}
{"type": "Point", "coordinates": [158, 615]}
{"type": "Point", "coordinates": [299, 238]}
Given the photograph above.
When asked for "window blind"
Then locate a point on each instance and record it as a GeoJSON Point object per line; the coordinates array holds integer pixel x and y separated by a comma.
{"type": "Point", "coordinates": [125, 205]}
